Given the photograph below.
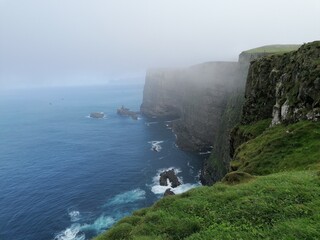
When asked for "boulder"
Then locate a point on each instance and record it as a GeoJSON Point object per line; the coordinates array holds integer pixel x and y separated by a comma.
{"type": "Point", "coordinates": [171, 176]}
{"type": "Point", "coordinates": [97, 115]}
{"type": "Point", "coordinates": [168, 192]}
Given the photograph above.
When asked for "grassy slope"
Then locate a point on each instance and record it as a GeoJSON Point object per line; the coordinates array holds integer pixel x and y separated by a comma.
{"type": "Point", "coordinates": [280, 148]}
{"type": "Point", "coordinates": [279, 206]}
{"type": "Point", "coordinates": [274, 48]}
{"type": "Point", "coordinates": [283, 205]}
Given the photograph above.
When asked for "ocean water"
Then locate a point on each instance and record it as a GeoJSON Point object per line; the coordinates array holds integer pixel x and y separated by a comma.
{"type": "Point", "coordinates": [66, 176]}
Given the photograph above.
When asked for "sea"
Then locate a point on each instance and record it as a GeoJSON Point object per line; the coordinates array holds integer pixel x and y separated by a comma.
{"type": "Point", "coordinates": [66, 176]}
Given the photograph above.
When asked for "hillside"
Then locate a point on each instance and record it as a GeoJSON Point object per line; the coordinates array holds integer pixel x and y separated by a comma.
{"type": "Point", "coordinates": [272, 190]}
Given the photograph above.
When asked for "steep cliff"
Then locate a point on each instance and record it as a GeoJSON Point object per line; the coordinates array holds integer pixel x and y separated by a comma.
{"type": "Point", "coordinates": [194, 96]}
{"type": "Point", "coordinates": [282, 88]}
{"type": "Point", "coordinates": [206, 101]}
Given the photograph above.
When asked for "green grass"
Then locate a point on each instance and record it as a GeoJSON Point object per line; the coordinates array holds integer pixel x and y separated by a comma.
{"type": "Point", "coordinates": [285, 204]}
{"type": "Point", "coordinates": [280, 148]}
{"type": "Point", "coordinates": [279, 206]}
{"type": "Point", "coordinates": [279, 48]}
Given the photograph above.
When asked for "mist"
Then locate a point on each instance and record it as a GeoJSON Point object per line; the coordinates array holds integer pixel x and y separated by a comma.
{"type": "Point", "coordinates": [58, 42]}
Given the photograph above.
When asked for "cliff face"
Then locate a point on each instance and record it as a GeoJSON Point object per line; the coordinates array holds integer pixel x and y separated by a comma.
{"type": "Point", "coordinates": [206, 100]}
{"type": "Point", "coordinates": [284, 87]}
{"type": "Point", "coordinates": [195, 97]}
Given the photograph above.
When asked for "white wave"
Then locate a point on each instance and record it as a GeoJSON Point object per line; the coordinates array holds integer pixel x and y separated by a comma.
{"type": "Point", "coordinates": [99, 225]}
{"type": "Point", "coordinates": [127, 197]}
{"type": "Point", "coordinates": [185, 187]}
{"type": "Point", "coordinates": [74, 216]}
{"type": "Point", "coordinates": [191, 168]}
{"type": "Point", "coordinates": [76, 230]}
{"type": "Point", "coordinates": [71, 233]}
{"type": "Point", "coordinates": [156, 146]}
{"type": "Point", "coordinates": [156, 188]}
{"type": "Point", "coordinates": [150, 123]}
{"type": "Point", "coordinates": [203, 153]}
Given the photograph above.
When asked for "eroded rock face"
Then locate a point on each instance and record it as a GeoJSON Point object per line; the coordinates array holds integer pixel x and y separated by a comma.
{"type": "Point", "coordinates": [194, 96]}
{"type": "Point", "coordinates": [171, 177]}
{"type": "Point", "coordinates": [284, 87]}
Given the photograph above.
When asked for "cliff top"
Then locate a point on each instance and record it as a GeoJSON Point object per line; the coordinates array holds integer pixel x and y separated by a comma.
{"type": "Point", "coordinates": [276, 48]}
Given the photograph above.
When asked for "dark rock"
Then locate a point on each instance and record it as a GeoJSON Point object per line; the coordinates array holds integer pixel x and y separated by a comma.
{"type": "Point", "coordinates": [168, 192]}
{"type": "Point", "coordinates": [284, 87]}
{"type": "Point", "coordinates": [123, 111]}
{"type": "Point", "coordinates": [97, 115]}
{"type": "Point", "coordinates": [173, 179]}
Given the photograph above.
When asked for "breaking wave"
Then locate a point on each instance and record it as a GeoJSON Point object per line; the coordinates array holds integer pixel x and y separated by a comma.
{"type": "Point", "coordinates": [74, 216]}
{"type": "Point", "coordinates": [157, 189]}
{"type": "Point", "coordinates": [127, 197]}
{"type": "Point", "coordinates": [77, 231]}
{"type": "Point", "coordinates": [156, 146]}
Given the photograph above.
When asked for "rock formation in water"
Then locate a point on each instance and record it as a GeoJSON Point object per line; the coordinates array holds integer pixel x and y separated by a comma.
{"type": "Point", "coordinates": [169, 176]}
{"type": "Point", "coordinates": [123, 111]}
{"type": "Point", "coordinates": [97, 115]}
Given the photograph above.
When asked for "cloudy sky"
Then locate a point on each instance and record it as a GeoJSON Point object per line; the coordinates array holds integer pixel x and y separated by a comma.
{"type": "Point", "coordinates": [92, 41]}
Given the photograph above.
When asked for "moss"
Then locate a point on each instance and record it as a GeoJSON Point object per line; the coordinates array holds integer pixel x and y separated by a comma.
{"type": "Point", "coordinates": [237, 177]}
{"type": "Point", "coordinates": [244, 133]}
{"type": "Point", "coordinates": [280, 148]}
{"type": "Point", "coordinates": [290, 77]}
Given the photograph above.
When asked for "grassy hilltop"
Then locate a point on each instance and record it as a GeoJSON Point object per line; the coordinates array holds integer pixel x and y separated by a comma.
{"type": "Point", "coordinates": [276, 48]}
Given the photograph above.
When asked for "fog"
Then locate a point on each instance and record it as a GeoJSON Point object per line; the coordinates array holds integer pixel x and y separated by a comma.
{"type": "Point", "coordinates": [65, 42]}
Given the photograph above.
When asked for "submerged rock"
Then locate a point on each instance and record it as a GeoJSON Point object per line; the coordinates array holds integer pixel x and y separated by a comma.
{"type": "Point", "coordinates": [123, 111]}
{"type": "Point", "coordinates": [171, 176]}
{"type": "Point", "coordinates": [168, 192]}
{"type": "Point", "coordinates": [97, 115]}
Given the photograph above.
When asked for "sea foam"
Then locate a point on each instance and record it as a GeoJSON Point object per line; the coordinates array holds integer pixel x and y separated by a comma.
{"type": "Point", "coordinates": [156, 145]}
{"type": "Point", "coordinates": [71, 233]}
{"type": "Point", "coordinates": [127, 197]}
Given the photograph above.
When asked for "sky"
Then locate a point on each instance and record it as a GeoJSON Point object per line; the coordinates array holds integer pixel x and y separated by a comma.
{"type": "Point", "coordinates": [53, 42]}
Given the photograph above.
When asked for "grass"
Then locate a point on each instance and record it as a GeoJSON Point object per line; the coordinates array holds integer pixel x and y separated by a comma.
{"type": "Point", "coordinates": [280, 148]}
{"type": "Point", "coordinates": [282, 203]}
{"type": "Point", "coordinates": [279, 48]}
{"type": "Point", "coordinates": [279, 206]}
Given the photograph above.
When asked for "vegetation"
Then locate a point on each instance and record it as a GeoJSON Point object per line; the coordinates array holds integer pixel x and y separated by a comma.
{"type": "Point", "coordinates": [273, 190]}
{"type": "Point", "coordinates": [283, 205]}
{"type": "Point", "coordinates": [280, 148]}
{"type": "Point", "coordinates": [278, 206]}
{"type": "Point", "coordinates": [274, 48]}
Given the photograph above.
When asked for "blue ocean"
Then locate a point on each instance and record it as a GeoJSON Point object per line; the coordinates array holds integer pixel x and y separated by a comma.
{"type": "Point", "coordinates": [66, 176]}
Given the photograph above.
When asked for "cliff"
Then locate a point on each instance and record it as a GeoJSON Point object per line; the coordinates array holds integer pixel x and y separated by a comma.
{"type": "Point", "coordinates": [280, 89]}
{"type": "Point", "coordinates": [194, 96]}
{"type": "Point", "coordinates": [273, 189]}
{"type": "Point", "coordinates": [284, 87]}
{"type": "Point", "coordinates": [206, 101]}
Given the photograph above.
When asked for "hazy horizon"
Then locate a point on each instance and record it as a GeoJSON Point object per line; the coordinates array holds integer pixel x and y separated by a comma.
{"type": "Point", "coordinates": [46, 43]}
